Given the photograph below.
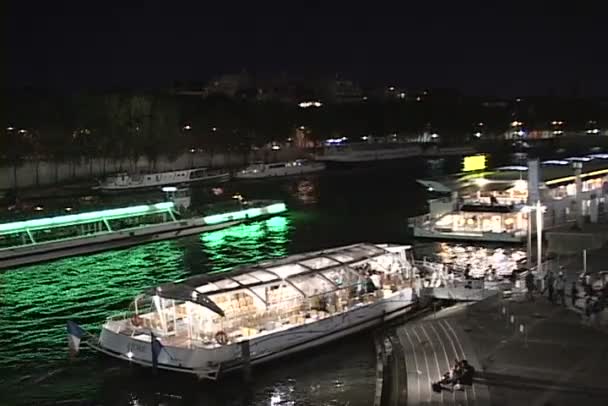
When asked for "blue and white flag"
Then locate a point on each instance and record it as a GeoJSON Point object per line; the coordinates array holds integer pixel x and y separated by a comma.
{"type": "Point", "coordinates": [75, 333]}
{"type": "Point", "coordinates": [157, 347]}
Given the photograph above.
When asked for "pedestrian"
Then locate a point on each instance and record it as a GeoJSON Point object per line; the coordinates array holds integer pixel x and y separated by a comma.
{"type": "Point", "coordinates": [530, 286]}
{"type": "Point", "coordinates": [573, 293]}
{"type": "Point", "coordinates": [560, 288]}
{"type": "Point", "coordinates": [550, 279]}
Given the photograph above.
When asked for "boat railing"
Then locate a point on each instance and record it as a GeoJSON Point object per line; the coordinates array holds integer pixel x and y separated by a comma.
{"type": "Point", "coordinates": [419, 221]}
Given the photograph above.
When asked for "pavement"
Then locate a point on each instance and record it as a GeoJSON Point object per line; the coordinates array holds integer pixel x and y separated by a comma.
{"type": "Point", "coordinates": [525, 353]}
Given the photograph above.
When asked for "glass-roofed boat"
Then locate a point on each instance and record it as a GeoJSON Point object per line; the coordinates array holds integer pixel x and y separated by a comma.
{"type": "Point", "coordinates": [276, 307]}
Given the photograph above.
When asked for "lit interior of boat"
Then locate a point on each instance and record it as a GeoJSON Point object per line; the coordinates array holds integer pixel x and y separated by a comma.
{"type": "Point", "coordinates": [211, 310]}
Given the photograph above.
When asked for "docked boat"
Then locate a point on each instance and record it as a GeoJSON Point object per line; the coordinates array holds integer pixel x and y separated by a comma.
{"type": "Point", "coordinates": [124, 181]}
{"type": "Point", "coordinates": [256, 313]}
{"type": "Point", "coordinates": [262, 170]}
{"type": "Point", "coordinates": [44, 239]}
{"type": "Point", "coordinates": [368, 152]}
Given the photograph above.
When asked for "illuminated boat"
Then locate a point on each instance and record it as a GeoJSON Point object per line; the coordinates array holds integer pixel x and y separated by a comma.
{"type": "Point", "coordinates": [124, 181]}
{"type": "Point", "coordinates": [262, 170]}
{"type": "Point", "coordinates": [43, 239]}
{"type": "Point", "coordinates": [256, 313]}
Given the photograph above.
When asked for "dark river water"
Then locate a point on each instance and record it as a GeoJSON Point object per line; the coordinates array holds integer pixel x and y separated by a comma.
{"type": "Point", "coordinates": [335, 208]}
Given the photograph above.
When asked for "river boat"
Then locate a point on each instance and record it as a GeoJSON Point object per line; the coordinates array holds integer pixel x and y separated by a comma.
{"type": "Point", "coordinates": [256, 313]}
{"type": "Point", "coordinates": [271, 170]}
{"type": "Point", "coordinates": [127, 182]}
{"type": "Point", "coordinates": [43, 239]}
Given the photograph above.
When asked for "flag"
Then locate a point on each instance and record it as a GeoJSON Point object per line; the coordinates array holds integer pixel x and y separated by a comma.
{"type": "Point", "coordinates": [156, 347]}
{"type": "Point", "coordinates": [75, 333]}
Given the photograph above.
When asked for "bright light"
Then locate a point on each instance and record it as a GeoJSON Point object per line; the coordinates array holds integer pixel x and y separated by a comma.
{"type": "Point", "coordinates": [168, 189]}
{"type": "Point", "coordinates": [308, 104]}
{"type": "Point", "coordinates": [38, 208]}
{"type": "Point", "coordinates": [557, 122]}
{"type": "Point", "coordinates": [365, 138]}
{"type": "Point", "coordinates": [516, 123]}
{"type": "Point", "coordinates": [519, 168]}
{"type": "Point", "coordinates": [418, 98]}
{"type": "Point", "coordinates": [599, 156]}
{"type": "Point", "coordinates": [477, 134]}
{"type": "Point", "coordinates": [391, 88]}
{"type": "Point", "coordinates": [555, 162]}
{"type": "Point", "coordinates": [579, 159]}
{"type": "Point", "coordinates": [275, 147]}
{"type": "Point", "coordinates": [521, 184]}
{"type": "Point", "coordinates": [192, 150]}
{"type": "Point", "coordinates": [521, 133]}
{"type": "Point", "coordinates": [402, 95]}
{"type": "Point", "coordinates": [187, 127]}
{"type": "Point", "coordinates": [557, 132]}
{"type": "Point", "coordinates": [22, 131]}
{"type": "Point", "coordinates": [245, 214]}
{"type": "Point", "coordinates": [302, 128]}
{"type": "Point", "coordinates": [473, 163]}
{"type": "Point", "coordinates": [434, 135]}
{"type": "Point", "coordinates": [10, 128]}
{"type": "Point", "coordinates": [214, 129]}
{"type": "Point", "coordinates": [593, 131]}
{"type": "Point", "coordinates": [481, 182]}
{"type": "Point", "coordinates": [480, 124]}
{"type": "Point", "coordinates": [68, 209]}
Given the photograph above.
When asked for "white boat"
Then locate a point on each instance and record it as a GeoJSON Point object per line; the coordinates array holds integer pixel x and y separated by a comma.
{"type": "Point", "coordinates": [273, 309]}
{"type": "Point", "coordinates": [368, 152]}
{"type": "Point", "coordinates": [45, 239]}
{"type": "Point", "coordinates": [262, 170]}
{"type": "Point", "coordinates": [124, 181]}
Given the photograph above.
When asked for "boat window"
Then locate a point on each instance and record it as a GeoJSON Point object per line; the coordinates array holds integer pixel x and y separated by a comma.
{"type": "Point", "coordinates": [263, 276]}
{"type": "Point", "coordinates": [319, 263]}
{"type": "Point", "coordinates": [312, 284]}
{"type": "Point", "coordinates": [209, 287]}
{"type": "Point", "coordinates": [286, 271]}
{"type": "Point", "coordinates": [272, 166]}
{"type": "Point", "coordinates": [226, 284]}
{"type": "Point", "coordinates": [342, 276]}
{"type": "Point", "coordinates": [199, 173]}
{"type": "Point", "coordinates": [246, 279]}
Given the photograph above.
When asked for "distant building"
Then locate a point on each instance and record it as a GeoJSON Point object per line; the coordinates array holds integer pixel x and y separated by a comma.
{"type": "Point", "coordinates": [344, 91]}
{"type": "Point", "coordinates": [228, 85]}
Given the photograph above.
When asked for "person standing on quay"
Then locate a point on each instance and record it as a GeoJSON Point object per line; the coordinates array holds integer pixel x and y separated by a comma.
{"type": "Point", "coordinates": [530, 286]}
{"type": "Point", "coordinates": [550, 284]}
{"type": "Point", "coordinates": [560, 288]}
{"type": "Point", "coordinates": [573, 293]}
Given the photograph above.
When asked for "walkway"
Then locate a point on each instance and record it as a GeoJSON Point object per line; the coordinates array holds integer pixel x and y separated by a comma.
{"type": "Point", "coordinates": [525, 353]}
{"type": "Point", "coordinates": [429, 349]}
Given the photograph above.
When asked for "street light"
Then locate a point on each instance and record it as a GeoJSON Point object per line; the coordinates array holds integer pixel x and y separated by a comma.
{"type": "Point", "coordinates": [539, 209]}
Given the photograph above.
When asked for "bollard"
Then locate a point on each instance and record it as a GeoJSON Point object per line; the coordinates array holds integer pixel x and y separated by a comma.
{"type": "Point", "coordinates": [246, 358]}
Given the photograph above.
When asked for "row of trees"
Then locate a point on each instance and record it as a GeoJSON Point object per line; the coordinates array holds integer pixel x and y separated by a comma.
{"type": "Point", "coordinates": [127, 125]}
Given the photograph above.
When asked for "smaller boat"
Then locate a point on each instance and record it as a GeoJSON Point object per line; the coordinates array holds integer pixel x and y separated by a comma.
{"type": "Point", "coordinates": [124, 181]}
{"type": "Point", "coordinates": [261, 170]}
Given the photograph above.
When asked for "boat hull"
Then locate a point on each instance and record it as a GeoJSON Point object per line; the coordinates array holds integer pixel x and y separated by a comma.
{"type": "Point", "coordinates": [224, 177]}
{"type": "Point", "coordinates": [263, 349]}
{"type": "Point", "coordinates": [27, 255]}
{"type": "Point", "coordinates": [281, 173]}
{"type": "Point", "coordinates": [420, 232]}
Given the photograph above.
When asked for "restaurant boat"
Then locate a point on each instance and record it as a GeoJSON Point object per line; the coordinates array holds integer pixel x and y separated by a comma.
{"type": "Point", "coordinates": [124, 181]}
{"type": "Point", "coordinates": [262, 170]}
{"type": "Point", "coordinates": [273, 308]}
{"type": "Point", "coordinates": [43, 239]}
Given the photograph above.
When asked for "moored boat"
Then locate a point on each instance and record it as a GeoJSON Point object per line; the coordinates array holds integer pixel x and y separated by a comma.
{"type": "Point", "coordinates": [273, 309]}
{"type": "Point", "coordinates": [124, 181]}
{"type": "Point", "coordinates": [271, 170]}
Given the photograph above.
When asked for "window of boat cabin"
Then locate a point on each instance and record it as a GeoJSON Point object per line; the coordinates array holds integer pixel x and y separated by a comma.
{"type": "Point", "coordinates": [312, 285]}
{"type": "Point", "coordinates": [274, 166]}
{"type": "Point", "coordinates": [199, 173]}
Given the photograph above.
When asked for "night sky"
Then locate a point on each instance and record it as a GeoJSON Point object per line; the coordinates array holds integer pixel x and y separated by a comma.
{"type": "Point", "coordinates": [491, 50]}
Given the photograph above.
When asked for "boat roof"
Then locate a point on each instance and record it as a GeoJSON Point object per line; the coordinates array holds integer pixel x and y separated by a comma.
{"type": "Point", "coordinates": [286, 270]}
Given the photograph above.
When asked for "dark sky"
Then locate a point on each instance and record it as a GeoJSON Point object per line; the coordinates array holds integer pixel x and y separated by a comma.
{"type": "Point", "coordinates": [506, 49]}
